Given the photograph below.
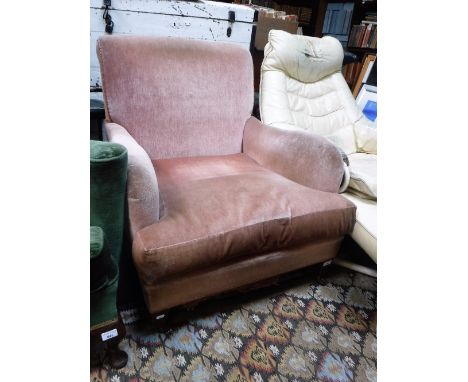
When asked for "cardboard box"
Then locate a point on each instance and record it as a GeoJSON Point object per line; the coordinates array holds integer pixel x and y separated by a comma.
{"type": "Point", "coordinates": [265, 24]}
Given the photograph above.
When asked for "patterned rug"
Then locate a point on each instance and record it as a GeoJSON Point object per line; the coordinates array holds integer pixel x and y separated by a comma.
{"type": "Point", "coordinates": [310, 331]}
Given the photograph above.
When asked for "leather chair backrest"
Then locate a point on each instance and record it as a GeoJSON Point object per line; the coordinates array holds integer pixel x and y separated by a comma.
{"type": "Point", "coordinates": [302, 86]}
{"type": "Point", "coordinates": [177, 97]}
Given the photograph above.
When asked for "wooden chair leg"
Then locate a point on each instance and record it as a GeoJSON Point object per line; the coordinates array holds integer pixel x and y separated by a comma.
{"type": "Point", "coordinates": [320, 278]}
{"type": "Point", "coordinates": [117, 358]}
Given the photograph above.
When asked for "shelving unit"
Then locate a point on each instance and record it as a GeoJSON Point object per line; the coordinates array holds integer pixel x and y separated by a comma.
{"type": "Point", "coordinates": [359, 11]}
{"type": "Point", "coordinates": [361, 50]}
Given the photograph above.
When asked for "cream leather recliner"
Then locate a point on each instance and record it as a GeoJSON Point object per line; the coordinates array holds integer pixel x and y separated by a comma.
{"type": "Point", "coordinates": [302, 88]}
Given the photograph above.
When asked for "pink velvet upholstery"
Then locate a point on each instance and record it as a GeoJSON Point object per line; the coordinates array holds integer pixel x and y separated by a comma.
{"type": "Point", "coordinates": [217, 200]}
{"type": "Point", "coordinates": [220, 208]}
{"type": "Point", "coordinates": [142, 185]}
{"type": "Point", "coordinates": [306, 158]}
{"type": "Point", "coordinates": [177, 97]}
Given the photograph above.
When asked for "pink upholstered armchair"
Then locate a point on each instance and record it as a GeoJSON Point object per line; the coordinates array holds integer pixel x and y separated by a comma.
{"type": "Point", "coordinates": [216, 199]}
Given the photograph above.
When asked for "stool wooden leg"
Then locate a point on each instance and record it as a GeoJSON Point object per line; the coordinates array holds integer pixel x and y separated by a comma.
{"type": "Point", "coordinates": [117, 358]}
{"type": "Point", "coordinates": [107, 349]}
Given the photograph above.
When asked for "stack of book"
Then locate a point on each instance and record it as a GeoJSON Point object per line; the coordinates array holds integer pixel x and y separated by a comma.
{"type": "Point", "coordinates": [351, 72]}
{"type": "Point", "coordinates": [358, 73]}
{"type": "Point", "coordinates": [304, 14]}
{"type": "Point", "coordinates": [370, 17]}
{"type": "Point", "coordinates": [364, 35]}
{"type": "Point", "coordinates": [368, 63]}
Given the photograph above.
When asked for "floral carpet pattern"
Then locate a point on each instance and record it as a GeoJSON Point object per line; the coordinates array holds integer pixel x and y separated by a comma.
{"type": "Point", "coordinates": [323, 332]}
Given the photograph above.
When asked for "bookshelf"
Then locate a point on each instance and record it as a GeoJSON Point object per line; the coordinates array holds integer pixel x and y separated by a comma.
{"type": "Point", "coordinates": [361, 38]}
{"type": "Point", "coordinates": [360, 10]}
{"type": "Point", "coordinates": [361, 50]}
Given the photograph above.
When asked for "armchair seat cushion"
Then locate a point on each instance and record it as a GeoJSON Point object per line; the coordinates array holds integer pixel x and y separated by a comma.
{"type": "Point", "coordinates": [218, 209]}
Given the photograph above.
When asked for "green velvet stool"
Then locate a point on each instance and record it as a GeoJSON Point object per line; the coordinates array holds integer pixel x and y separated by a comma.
{"type": "Point", "coordinates": [108, 169]}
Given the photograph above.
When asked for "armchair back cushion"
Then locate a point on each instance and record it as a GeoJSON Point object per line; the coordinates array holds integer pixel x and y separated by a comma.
{"type": "Point", "coordinates": [177, 99]}
{"type": "Point", "coordinates": [302, 85]}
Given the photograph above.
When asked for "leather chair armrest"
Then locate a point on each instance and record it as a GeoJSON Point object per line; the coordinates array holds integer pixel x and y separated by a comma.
{"type": "Point", "coordinates": [142, 183]}
{"type": "Point", "coordinates": [303, 157]}
{"type": "Point", "coordinates": [366, 136]}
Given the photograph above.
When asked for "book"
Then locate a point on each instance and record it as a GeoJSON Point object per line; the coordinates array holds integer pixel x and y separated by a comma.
{"type": "Point", "coordinates": [305, 15]}
{"type": "Point", "coordinates": [366, 75]}
{"type": "Point", "coordinates": [347, 21]}
{"type": "Point", "coordinates": [374, 40]}
{"type": "Point", "coordinates": [362, 30]}
{"type": "Point", "coordinates": [326, 21]}
{"type": "Point", "coordinates": [337, 20]}
{"type": "Point", "coordinates": [366, 36]}
{"type": "Point", "coordinates": [356, 70]}
{"type": "Point", "coordinates": [349, 8]}
{"type": "Point", "coordinates": [333, 20]}
{"type": "Point", "coordinates": [366, 60]}
{"type": "Point", "coordinates": [372, 78]}
{"type": "Point", "coordinates": [352, 36]}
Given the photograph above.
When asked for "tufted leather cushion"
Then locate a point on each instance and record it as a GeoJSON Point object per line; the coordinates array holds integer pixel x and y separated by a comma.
{"type": "Point", "coordinates": [294, 55]}
{"type": "Point", "coordinates": [301, 85]}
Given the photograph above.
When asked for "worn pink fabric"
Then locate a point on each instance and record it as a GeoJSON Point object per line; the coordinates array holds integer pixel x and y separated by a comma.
{"type": "Point", "coordinates": [177, 97]}
{"type": "Point", "coordinates": [216, 199]}
{"type": "Point", "coordinates": [219, 209]}
{"type": "Point", "coordinates": [142, 184]}
{"type": "Point", "coordinates": [303, 157]}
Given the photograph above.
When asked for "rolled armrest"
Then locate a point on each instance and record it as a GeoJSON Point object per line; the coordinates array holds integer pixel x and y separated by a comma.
{"type": "Point", "coordinates": [303, 157]}
{"type": "Point", "coordinates": [142, 184]}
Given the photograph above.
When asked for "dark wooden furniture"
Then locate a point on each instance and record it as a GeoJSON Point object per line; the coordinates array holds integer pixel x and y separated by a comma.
{"type": "Point", "coordinates": [97, 115]}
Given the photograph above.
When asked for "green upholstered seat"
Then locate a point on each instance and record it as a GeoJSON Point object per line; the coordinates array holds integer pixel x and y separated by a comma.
{"type": "Point", "coordinates": [104, 270]}
{"type": "Point", "coordinates": [108, 178]}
